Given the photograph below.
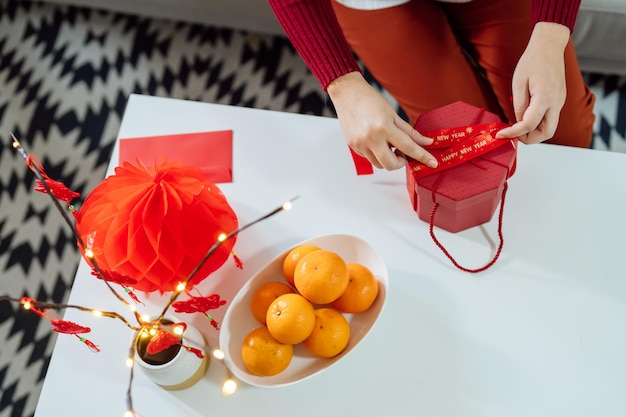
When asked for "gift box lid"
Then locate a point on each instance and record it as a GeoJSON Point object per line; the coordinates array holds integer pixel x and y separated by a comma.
{"type": "Point", "coordinates": [452, 115]}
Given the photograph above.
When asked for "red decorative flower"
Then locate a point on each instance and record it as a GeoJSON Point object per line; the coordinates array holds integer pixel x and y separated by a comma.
{"type": "Point", "coordinates": [59, 190]}
{"type": "Point", "coordinates": [68, 327]}
{"type": "Point", "coordinates": [156, 225]}
{"type": "Point", "coordinates": [161, 341]}
{"type": "Point", "coordinates": [198, 304]}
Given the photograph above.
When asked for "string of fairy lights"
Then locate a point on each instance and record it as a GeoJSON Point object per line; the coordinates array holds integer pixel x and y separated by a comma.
{"type": "Point", "coordinates": [146, 326]}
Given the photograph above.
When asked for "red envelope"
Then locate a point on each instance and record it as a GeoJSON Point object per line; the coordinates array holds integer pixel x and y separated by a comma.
{"type": "Point", "coordinates": [212, 152]}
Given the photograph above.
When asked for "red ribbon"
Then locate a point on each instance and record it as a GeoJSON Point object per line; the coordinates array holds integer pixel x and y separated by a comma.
{"type": "Point", "coordinates": [361, 163]}
{"type": "Point", "coordinates": [462, 144]}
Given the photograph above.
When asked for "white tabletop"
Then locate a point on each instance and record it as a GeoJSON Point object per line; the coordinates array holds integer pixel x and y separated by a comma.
{"type": "Point", "coordinates": [541, 333]}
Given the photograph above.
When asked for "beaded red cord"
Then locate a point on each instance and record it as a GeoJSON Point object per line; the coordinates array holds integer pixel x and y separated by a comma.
{"type": "Point", "coordinates": [500, 236]}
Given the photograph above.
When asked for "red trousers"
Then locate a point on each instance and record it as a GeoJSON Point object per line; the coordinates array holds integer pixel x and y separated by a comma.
{"type": "Point", "coordinates": [419, 51]}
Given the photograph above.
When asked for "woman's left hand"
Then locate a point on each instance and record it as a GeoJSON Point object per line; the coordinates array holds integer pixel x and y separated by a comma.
{"type": "Point", "coordinates": [539, 89]}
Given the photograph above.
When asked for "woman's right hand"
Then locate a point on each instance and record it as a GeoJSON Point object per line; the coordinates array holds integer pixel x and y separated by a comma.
{"type": "Point", "coordinates": [371, 126]}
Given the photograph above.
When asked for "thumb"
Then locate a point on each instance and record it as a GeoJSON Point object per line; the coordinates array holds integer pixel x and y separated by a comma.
{"type": "Point", "coordinates": [521, 99]}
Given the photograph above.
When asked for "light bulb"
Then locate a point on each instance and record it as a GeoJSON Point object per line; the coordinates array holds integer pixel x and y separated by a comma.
{"type": "Point", "coordinates": [218, 354]}
{"type": "Point", "coordinates": [222, 237]}
{"type": "Point", "coordinates": [178, 330]}
{"type": "Point", "coordinates": [129, 413]}
{"type": "Point", "coordinates": [287, 205]}
{"type": "Point", "coordinates": [180, 287]}
{"type": "Point", "coordinates": [130, 362]}
{"type": "Point", "coordinates": [229, 387]}
{"type": "Point", "coordinates": [88, 253]}
{"type": "Point", "coordinates": [97, 313]}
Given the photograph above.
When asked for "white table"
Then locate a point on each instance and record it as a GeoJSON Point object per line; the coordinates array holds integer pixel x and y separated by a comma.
{"type": "Point", "coordinates": [541, 333]}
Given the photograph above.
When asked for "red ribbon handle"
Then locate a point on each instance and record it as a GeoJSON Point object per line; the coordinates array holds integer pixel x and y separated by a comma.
{"type": "Point", "coordinates": [463, 144]}
{"type": "Point", "coordinates": [500, 236]}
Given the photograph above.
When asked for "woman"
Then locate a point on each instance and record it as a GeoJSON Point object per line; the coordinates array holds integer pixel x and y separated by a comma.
{"type": "Point", "coordinates": [514, 58]}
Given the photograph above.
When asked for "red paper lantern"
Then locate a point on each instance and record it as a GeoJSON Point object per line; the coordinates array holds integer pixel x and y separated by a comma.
{"type": "Point", "coordinates": [156, 225]}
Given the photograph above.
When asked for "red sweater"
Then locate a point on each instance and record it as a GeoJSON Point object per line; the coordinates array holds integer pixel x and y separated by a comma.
{"type": "Point", "coordinates": [312, 28]}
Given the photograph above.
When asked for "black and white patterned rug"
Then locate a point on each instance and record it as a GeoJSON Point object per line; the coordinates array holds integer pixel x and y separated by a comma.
{"type": "Point", "coordinates": [65, 76]}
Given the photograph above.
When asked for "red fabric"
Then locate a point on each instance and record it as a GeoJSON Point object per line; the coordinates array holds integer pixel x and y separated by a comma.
{"type": "Point", "coordinates": [315, 33]}
{"type": "Point", "coordinates": [557, 11]}
{"type": "Point", "coordinates": [155, 224]}
{"type": "Point", "coordinates": [425, 75]}
{"type": "Point", "coordinates": [212, 152]}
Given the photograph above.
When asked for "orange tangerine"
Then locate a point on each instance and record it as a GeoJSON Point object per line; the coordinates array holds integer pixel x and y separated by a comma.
{"type": "Point", "coordinates": [361, 291]}
{"type": "Point", "coordinates": [292, 258]}
{"type": "Point", "coordinates": [290, 318]}
{"type": "Point", "coordinates": [263, 355]}
{"type": "Point", "coordinates": [330, 335]}
{"type": "Point", "coordinates": [264, 296]}
{"type": "Point", "coordinates": [321, 276]}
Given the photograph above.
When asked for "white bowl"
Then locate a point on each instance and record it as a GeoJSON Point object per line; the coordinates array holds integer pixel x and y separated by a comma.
{"type": "Point", "coordinates": [239, 321]}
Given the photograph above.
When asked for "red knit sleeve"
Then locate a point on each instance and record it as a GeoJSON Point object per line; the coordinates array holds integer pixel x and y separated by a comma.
{"type": "Point", "coordinates": [312, 28]}
{"type": "Point", "coordinates": [557, 11]}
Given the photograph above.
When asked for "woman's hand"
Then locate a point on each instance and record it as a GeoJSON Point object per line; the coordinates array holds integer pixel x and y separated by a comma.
{"type": "Point", "coordinates": [371, 126]}
{"type": "Point", "coordinates": [539, 85]}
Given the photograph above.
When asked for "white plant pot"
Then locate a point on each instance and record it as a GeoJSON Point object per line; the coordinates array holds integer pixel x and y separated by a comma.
{"type": "Point", "coordinates": [176, 368]}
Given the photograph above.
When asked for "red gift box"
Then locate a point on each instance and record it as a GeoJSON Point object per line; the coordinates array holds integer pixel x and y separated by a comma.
{"type": "Point", "coordinates": [468, 184]}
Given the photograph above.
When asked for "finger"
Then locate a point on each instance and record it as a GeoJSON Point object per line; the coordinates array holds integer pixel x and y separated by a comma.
{"type": "Point", "coordinates": [534, 114]}
{"type": "Point", "coordinates": [400, 154]}
{"type": "Point", "coordinates": [521, 98]}
{"type": "Point", "coordinates": [531, 119]}
{"type": "Point", "coordinates": [521, 101]}
{"type": "Point", "coordinates": [545, 130]}
{"type": "Point", "coordinates": [387, 157]}
{"type": "Point", "coordinates": [522, 138]}
{"type": "Point", "coordinates": [410, 149]}
{"type": "Point", "coordinates": [416, 136]}
{"type": "Point", "coordinates": [367, 154]}
{"type": "Point", "coordinates": [516, 131]}
{"type": "Point", "coordinates": [372, 158]}
{"type": "Point", "coordinates": [409, 141]}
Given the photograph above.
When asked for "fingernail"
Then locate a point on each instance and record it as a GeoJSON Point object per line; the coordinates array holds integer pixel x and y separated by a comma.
{"type": "Point", "coordinates": [432, 163]}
